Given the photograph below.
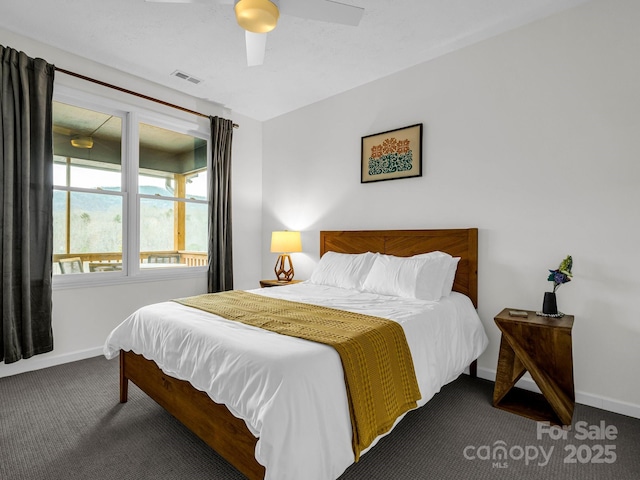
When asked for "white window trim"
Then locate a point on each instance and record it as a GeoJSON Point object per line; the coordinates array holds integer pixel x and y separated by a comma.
{"type": "Point", "coordinates": [131, 115]}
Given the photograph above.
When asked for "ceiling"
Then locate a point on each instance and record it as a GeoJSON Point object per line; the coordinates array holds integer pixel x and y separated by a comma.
{"type": "Point", "coordinates": [306, 61]}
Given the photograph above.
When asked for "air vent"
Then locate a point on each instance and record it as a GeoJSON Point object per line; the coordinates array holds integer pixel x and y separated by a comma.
{"type": "Point", "coordinates": [187, 77]}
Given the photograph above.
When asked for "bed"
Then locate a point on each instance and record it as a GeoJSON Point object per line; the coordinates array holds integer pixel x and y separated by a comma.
{"type": "Point", "coordinates": [227, 428]}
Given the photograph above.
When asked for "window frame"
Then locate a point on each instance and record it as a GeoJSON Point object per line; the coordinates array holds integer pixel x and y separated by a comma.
{"type": "Point", "coordinates": [131, 114]}
{"type": "Point", "coordinates": [160, 122]}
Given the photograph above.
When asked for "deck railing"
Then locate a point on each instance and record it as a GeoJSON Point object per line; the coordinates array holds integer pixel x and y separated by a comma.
{"type": "Point", "coordinates": [94, 261]}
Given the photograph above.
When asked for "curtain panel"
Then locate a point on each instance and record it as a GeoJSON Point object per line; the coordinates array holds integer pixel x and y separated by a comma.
{"type": "Point", "coordinates": [220, 275]}
{"type": "Point", "coordinates": [26, 187]}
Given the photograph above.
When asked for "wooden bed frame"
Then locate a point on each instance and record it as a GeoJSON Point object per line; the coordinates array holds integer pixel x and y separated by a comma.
{"type": "Point", "coordinates": [229, 435]}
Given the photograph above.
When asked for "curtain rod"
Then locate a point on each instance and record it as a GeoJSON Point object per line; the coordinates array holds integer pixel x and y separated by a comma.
{"type": "Point", "coordinates": [130, 92]}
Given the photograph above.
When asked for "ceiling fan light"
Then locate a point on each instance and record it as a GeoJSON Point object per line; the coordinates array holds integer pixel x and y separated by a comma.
{"type": "Point", "coordinates": [82, 141]}
{"type": "Point", "coordinates": [257, 16]}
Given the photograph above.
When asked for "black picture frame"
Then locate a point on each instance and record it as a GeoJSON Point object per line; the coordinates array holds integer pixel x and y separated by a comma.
{"type": "Point", "coordinates": [392, 155]}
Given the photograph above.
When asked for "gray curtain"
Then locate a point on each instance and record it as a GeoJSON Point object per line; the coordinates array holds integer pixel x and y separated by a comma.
{"type": "Point", "coordinates": [26, 187]}
{"type": "Point", "coordinates": [220, 252]}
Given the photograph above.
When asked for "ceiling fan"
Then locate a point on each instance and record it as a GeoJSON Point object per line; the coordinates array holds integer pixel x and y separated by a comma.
{"type": "Point", "coordinates": [258, 17]}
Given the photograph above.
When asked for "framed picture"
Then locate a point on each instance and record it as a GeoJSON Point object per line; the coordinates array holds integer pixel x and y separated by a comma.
{"type": "Point", "coordinates": [393, 154]}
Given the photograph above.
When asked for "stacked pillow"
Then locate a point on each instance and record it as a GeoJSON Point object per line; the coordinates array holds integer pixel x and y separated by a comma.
{"type": "Point", "coordinates": [447, 285]}
{"type": "Point", "coordinates": [344, 270]}
{"type": "Point", "coordinates": [426, 276]}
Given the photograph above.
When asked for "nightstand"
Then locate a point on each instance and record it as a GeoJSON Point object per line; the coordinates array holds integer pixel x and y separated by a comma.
{"type": "Point", "coordinates": [276, 283]}
{"type": "Point", "coordinates": [542, 346]}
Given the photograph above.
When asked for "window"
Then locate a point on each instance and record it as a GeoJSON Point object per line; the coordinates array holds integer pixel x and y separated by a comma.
{"type": "Point", "coordinates": [88, 197]}
{"type": "Point", "coordinates": [130, 195]}
{"type": "Point", "coordinates": [172, 187]}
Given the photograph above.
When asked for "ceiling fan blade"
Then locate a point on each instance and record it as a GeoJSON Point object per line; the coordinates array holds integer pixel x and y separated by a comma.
{"type": "Point", "coordinates": [256, 46]}
{"type": "Point", "coordinates": [323, 10]}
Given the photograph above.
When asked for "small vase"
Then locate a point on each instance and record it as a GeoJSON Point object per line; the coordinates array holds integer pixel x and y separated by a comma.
{"type": "Point", "coordinates": [549, 306]}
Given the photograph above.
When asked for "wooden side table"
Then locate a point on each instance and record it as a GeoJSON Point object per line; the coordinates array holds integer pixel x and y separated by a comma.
{"type": "Point", "coordinates": [542, 346]}
{"type": "Point", "coordinates": [276, 283]}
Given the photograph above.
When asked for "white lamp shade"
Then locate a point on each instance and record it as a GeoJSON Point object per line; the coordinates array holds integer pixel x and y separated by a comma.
{"type": "Point", "coordinates": [286, 242]}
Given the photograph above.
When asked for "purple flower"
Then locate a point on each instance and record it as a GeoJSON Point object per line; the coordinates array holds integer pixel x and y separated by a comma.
{"type": "Point", "coordinates": [562, 274]}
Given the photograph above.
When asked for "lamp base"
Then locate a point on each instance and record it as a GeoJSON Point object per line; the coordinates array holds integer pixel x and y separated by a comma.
{"type": "Point", "coordinates": [284, 273]}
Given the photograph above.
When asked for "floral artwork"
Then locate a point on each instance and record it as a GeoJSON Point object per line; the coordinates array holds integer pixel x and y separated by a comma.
{"type": "Point", "coordinates": [393, 154]}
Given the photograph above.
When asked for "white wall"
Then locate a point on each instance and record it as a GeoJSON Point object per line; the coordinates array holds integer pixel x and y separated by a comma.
{"type": "Point", "coordinates": [83, 317]}
{"type": "Point", "coordinates": [531, 136]}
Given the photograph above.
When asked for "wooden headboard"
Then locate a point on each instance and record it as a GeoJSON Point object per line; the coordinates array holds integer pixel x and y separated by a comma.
{"type": "Point", "coordinates": [461, 243]}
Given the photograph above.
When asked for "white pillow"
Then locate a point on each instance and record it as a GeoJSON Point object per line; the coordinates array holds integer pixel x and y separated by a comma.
{"type": "Point", "coordinates": [419, 277]}
{"type": "Point", "coordinates": [447, 286]}
{"type": "Point", "coordinates": [344, 270]}
{"type": "Point", "coordinates": [450, 276]}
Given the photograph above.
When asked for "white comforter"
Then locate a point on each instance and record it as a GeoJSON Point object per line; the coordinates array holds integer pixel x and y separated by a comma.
{"type": "Point", "coordinates": [290, 392]}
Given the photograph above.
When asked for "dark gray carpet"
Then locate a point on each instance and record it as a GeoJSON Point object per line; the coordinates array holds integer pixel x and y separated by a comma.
{"type": "Point", "coordinates": [65, 422]}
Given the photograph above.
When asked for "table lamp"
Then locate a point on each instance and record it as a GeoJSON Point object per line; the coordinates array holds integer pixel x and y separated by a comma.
{"type": "Point", "coordinates": [284, 243]}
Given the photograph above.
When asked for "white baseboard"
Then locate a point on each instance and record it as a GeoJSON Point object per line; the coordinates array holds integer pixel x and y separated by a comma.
{"type": "Point", "coordinates": [604, 403]}
{"type": "Point", "coordinates": [47, 360]}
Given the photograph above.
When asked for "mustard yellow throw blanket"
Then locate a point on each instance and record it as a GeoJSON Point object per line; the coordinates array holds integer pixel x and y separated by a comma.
{"type": "Point", "coordinates": [378, 369]}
